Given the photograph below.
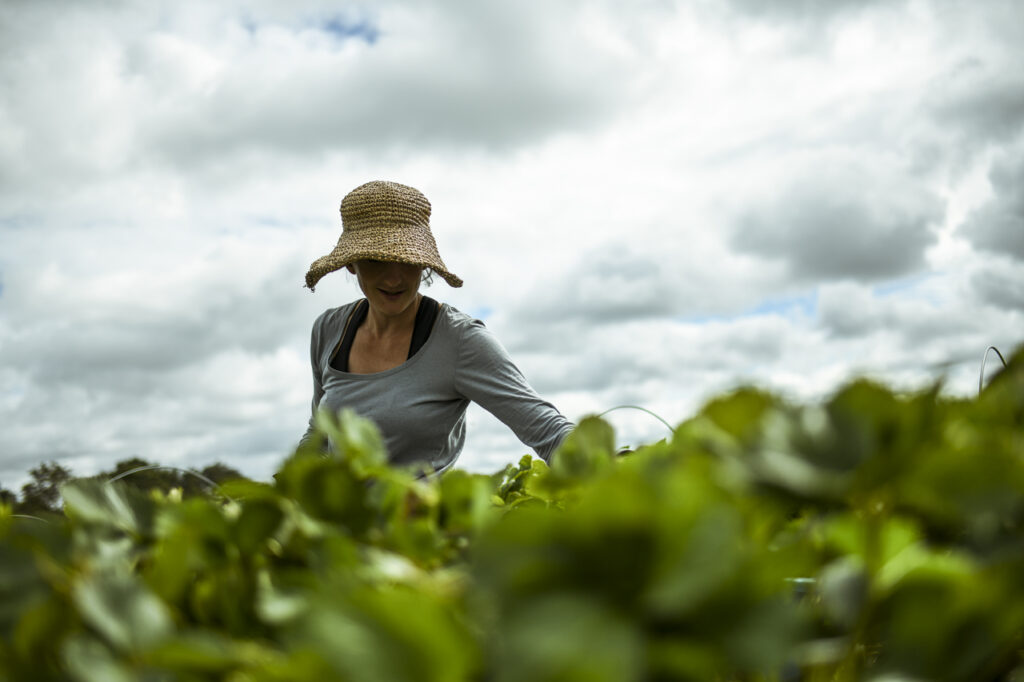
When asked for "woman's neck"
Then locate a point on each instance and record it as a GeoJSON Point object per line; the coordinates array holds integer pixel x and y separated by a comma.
{"type": "Point", "coordinates": [380, 325]}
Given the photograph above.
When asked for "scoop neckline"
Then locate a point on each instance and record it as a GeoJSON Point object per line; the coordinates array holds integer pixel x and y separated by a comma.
{"type": "Point", "coordinates": [397, 368]}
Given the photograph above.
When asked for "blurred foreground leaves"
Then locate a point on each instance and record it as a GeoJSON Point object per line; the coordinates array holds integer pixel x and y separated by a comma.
{"type": "Point", "coordinates": [876, 536]}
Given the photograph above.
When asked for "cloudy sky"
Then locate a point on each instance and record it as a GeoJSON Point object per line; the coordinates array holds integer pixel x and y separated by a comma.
{"type": "Point", "coordinates": [650, 203]}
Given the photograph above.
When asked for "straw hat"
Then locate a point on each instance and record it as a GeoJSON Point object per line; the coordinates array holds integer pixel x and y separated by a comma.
{"type": "Point", "coordinates": [383, 221]}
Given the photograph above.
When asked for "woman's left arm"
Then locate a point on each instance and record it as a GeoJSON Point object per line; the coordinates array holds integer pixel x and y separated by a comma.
{"type": "Point", "coordinates": [485, 374]}
{"type": "Point", "coordinates": [318, 388]}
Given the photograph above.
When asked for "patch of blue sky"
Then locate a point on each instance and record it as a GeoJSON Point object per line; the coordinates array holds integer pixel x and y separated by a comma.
{"type": "Point", "coordinates": [341, 27]}
{"type": "Point", "coordinates": [703, 319]}
{"type": "Point", "coordinates": [270, 221]}
{"type": "Point", "coordinates": [801, 305]}
{"type": "Point", "coordinates": [249, 24]}
{"type": "Point", "coordinates": [16, 222]}
{"type": "Point", "coordinates": [344, 28]}
{"type": "Point", "coordinates": [482, 313]}
{"type": "Point", "coordinates": [901, 286]}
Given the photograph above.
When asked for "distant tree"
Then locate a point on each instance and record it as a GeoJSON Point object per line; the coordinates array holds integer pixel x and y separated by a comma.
{"type": "Point", "coordinates": [146, 476]}
{"type": "Point", "coordinates": [143, 475]}
{"type": "Point", "coordinates": [42, 493]}
{"type": "Point", "coordinates": [217, 472]}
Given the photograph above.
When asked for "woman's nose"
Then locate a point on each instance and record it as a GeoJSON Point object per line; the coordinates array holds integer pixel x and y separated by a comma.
{"type": "Point", "coordinates": [392, 272]}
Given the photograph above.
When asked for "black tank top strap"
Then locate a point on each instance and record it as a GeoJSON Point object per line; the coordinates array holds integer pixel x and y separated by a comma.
{"type": "Point", "coordinates": [339, 360]}
{"type": "Point", "coordinates": [426, 315]}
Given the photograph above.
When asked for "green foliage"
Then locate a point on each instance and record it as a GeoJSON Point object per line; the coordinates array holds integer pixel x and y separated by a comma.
{"type": "Point", "coordinates": [874, 536]}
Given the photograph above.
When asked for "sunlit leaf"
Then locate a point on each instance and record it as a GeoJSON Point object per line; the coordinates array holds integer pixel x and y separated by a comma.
{"type": "Point", "coordinates": [569, 637]}
{"type": "Point", "coordinates": [88, 660]}
{"type": "Point", "coordinates": [111, 504]}
{"type": "Point", "coordinates": [119, 607]}
{"type": "Point", "coordinates": [587, 450]}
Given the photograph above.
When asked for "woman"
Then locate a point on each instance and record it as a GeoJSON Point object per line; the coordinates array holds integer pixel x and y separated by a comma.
{"type": "Point", "coordinates": [403, 360]}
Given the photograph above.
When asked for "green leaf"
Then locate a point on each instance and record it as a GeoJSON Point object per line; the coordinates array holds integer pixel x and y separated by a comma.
{"type": "Point", "coordinates": [128, 616]}
{"type": "Point", "coordinates": [89, 661]}
{"type": "Point", "coordinates": [586, 451]}
{"type": "Point", "coordinates": [843, 587]}
{"type": "Point", "coordinates": [706, 558]}
{"type": "Point", "coordinates": [740, 413]}
{"type": "Point", "coordinates": [109, 504]}
{"type": "Point", "coordinates": [391, 634]}
{"type": "Point", "coordinates": [209, 652]}
{"type": "Point", "coordinates": [465, 502]}
{"type": "Point", "coordinates": [241, 488]}
{"type": "Point", "coordinates": [277, 606]}
{"type": "Point", "coordinates": [354, 438]}
{"type": "Point", "coordinates": [258, 520]}
{"type": "Point", "coordinates": [43, 622]}
{"type": "Point", "coordinates": [569, 637]}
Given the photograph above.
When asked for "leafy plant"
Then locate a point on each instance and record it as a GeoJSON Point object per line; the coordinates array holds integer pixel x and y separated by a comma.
{"type": "Point", "coordinates": [874, 536]}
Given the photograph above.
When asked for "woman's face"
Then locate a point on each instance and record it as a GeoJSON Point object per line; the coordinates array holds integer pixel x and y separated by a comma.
{"type": "Point", "coordinates": [389, 287]}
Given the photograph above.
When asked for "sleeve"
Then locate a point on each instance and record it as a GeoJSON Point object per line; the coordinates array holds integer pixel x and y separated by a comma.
{"type": "Point", "coordinates": [318, 386]}
{"type": "Point", "coordinates": [485, 374]}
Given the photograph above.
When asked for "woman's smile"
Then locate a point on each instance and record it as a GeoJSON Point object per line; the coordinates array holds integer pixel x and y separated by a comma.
{"type": "Point", "coordinates": [392, 295]}
{"type": "Point", "coordinates": [391, 288]}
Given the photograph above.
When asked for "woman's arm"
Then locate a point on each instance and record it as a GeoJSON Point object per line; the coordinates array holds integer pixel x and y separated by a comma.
{"type": "Point", "coordinates": [485, 374]}
{"type": "Point", "coordinates": [318, 386]}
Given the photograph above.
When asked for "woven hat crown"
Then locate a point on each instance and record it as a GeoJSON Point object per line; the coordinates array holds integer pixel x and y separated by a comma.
{"type": "Point", "coordinates": [384, 203]}
{"type": "Point", "coordinates": [385, 221]}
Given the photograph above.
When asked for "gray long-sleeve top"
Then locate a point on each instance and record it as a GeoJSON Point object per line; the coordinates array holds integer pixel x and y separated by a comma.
{"type": "Point", "coordinates": [420, 405]}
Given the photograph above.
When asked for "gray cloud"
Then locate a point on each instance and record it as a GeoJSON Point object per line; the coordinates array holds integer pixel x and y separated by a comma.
{"type": "Point", "coordinates": [676, 273]}
{"type": "Point", "coordinates": [809, 12]}
{"type": "Point", "coordinates": [845, 310]}
{"type": "Point", "coordinates": [125, 340]}
{"type": "Point", "coordinates": [625, 360]}
{"type": "Point", "coordinates": [981, 98]}
{"type": "Point", "coordinates": [90, 428]}
{"type": "Point", "coordinates": [998, 225]}
{"type": "Point", "coordinates": [1000, 282]}
{"type": "Point", "coordinates": [916, 331]}
{"type": "Point", "coordinates": [848, 310]}
{"type": "Point", "coordinates": [842, 221]}
{"type": "Point", "coordinates": [607, 285]}
{"type": "Point", "coordinates": [910, 343]}
{"type": "Point", "coordinates": [970, 107]}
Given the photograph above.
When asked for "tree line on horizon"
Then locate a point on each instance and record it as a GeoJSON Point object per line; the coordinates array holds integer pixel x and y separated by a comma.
{"type": "Point", "coordinates": [41, 495]}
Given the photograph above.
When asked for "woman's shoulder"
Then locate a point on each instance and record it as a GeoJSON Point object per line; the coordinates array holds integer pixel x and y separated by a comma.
{"type": "Point", "coordinates": [458, 321]}
{"type": "Point", "coordinates": [466, 332]}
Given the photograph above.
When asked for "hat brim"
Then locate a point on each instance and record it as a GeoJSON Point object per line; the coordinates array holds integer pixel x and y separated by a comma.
{"type": "Point", "coordinates": [404, 244]}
